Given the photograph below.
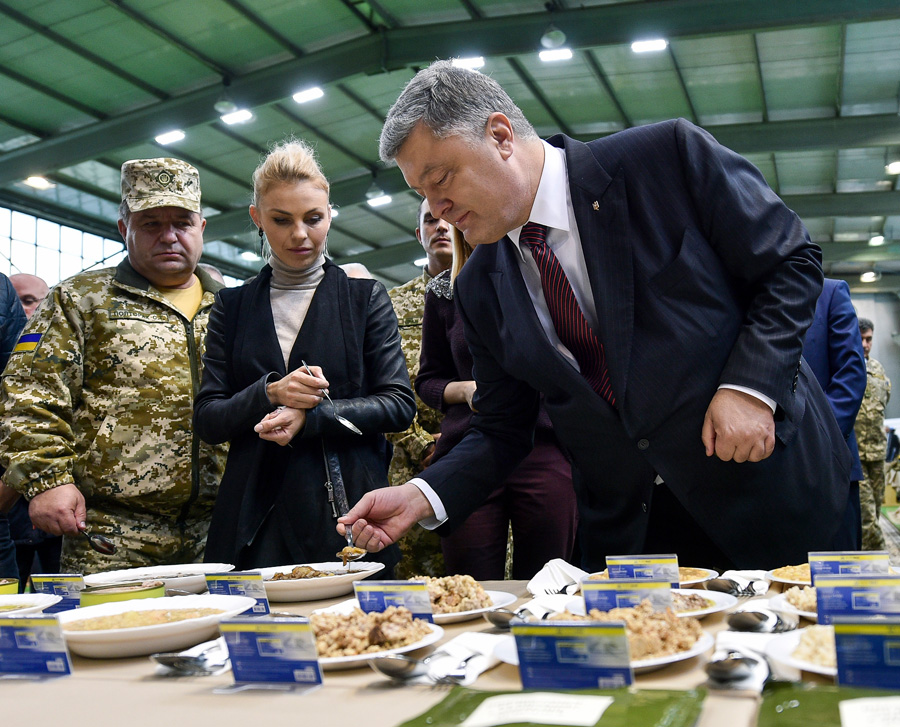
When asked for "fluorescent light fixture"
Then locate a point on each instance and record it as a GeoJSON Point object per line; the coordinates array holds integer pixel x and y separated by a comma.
{"type": "Point", "coordinates": [876, 240]}
{"type": "Point", "coordinates": [553, 37]}
{"type": "Point", "coordinates": [649, 46]}
{"type": "Point", "coordinates": [473, 63]}
{"type": "Point", "coordinates": [309, 94]}
{"type": "Point", "coordinates": [170, 136]}
{"type": "Point", "coordinates": [379, 201]}
{"type": "Point", "coordinates": [249, 255]}
{"type": "Point", "coordinates": [420, 262]}
{"type": "Point", "coordinates": [560, 54]}
{"type": "Point", "coordinates": [237, 117]}
{"type": "Point", "coordinates": [39, 183]}
{"type": "Point", "coordinates": [870, 277]}
{"type": "Point", "coordinates": [892, 168]}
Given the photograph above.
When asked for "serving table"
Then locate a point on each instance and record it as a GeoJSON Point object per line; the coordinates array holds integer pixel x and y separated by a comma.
{"type": "Point", "coordinates": [128, 691]}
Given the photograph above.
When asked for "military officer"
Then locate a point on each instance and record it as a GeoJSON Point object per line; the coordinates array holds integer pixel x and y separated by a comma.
{"type": "Point", "coordinates": [872, 441]}
{"type": "Point", "coordinates": [96, 402]}
{"type": "Point", "coordinates": [413, 448]}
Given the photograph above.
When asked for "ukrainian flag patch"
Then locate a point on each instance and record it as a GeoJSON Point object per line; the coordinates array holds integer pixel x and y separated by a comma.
{"type": "Point", "coordinates": [28, 342]}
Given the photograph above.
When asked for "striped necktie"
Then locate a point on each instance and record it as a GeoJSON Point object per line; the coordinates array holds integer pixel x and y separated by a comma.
{"type": "Point", "coordinates": [568, 320]}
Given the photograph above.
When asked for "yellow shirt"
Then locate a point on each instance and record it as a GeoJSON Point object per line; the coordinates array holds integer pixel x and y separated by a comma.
{"type": "Point", "coordinates": [187, 300]}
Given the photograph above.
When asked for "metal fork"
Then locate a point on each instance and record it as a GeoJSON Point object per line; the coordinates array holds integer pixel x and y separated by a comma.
{"type": "Point", "coordinates": [562, 591]}
{"type": "Point", "coordinates": [457, 675]}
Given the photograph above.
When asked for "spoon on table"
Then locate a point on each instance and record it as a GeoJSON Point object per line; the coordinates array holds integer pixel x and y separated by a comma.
{"type": "Point", "coordinates": [500, 618]}
{"type": "Point", "coordinates": [100, 543]}
{"type": "Point", "coordinates": [763, 620]}
{"type": "Point", "coordinates": [733, 588]}
{"type": "Point", "coordinates": [401, 666]}
{"type": "Point", "coordinates": [341, 420]}
{"type": "Point", "coordinates": [733, 667]}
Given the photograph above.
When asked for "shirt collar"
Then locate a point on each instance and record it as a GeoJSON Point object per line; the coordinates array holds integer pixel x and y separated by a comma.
{"type": "Point", "coordinates": [550, 206]}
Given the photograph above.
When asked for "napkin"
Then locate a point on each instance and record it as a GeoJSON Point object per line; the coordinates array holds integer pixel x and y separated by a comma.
{"type": "Point", "coordinates": [743, 578]}
{"type": "Point", "coordinates": [480, 644]}
{"type": "Point", "coordinates": [556, 576]}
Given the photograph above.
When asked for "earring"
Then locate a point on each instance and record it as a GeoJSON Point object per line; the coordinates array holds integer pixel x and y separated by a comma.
{"type": "Point", "coordinates": [262, 241]}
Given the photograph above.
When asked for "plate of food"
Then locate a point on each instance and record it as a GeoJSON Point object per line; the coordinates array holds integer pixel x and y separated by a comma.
{"type": "Point", "coordinates": [185, 577]}
{"type": "Point", "coordinates": [506, 652]}
{"type": "Point", "coordinates": [313, 581]}
{"type": "Point", "coordinates": [800, 600]}
{"type": "Point", "coordinates": [685, 602]}
{"type": "Point", "coordinates": [351, 640]}
{"type": "Point", "coordinates": [686, 576]}
{"type": "Point", "coordinates": [792, 575]}
{"type": "Point", "coordinates": [810, 649]}
{"type": "Point", "coordinates": [147, 625]}
{"type": "Point", "coordinates": [20, 604]}
{"type": "Point", "coordinates": [461, 598]}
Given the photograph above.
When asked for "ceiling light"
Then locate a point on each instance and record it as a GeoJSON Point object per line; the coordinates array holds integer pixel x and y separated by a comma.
{"type": "Point", "coordinates": [560, 54]}
{"type": "Point", "coordinates": [892, 168]}
{"type": "Point", "coordinates": [553, 37]}
{"type": "Point", "coordinates": [237, 117]}
{"type": "Point", "coordinates": [870, 276]}
{"type": "Point", "coordinates": [334, 212]}
{"type": "Point", "coordinates": [649, 46]}
{"type": "Point", "coordinates": [170, 136]}
{"type": "Point", "coordinates": [473, 63]}
{"type": "Point", "coordinates": [225, 105]}
{"type": "Point", "coordinates": [249, 255]}
{"type": "Point", "coordinates": [39, 182]}
{"type": "Point", "coordinates": [420, 262]}
{"type": "Point", "coordinates": [380, 201]}
{"type": "Point", "coordinates": [876, 240]}
{"type": "Point", "coordinates": [310, 94]}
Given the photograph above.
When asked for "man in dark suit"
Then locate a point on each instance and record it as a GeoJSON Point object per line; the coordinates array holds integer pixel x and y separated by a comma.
{"type": "Point", "coordinates": [835, 354]}
{"type": "Point", "coordinates": [663, 328]}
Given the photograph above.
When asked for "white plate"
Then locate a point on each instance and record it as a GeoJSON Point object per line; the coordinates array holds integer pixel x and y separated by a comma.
{"type": "Point", "coordinates": [499, 599]}
{"type": "Point", "coordinates": [506, 652]}
{"type": "Point", "coordinates": [26, 603]}
{"type": "Point", "coordinates": [721, 602]}
{"type": "Point", "coordinates": [777, 579]}
{"type": "Point", "coordinates": [781, 649]}
{"type": "Point", "coordinates": [186, 577]}
{"type": "Point", "coordinates": [114, 643]}
{"type": "Point", "coordinates": [333, 663]}
{"type": "Point", "coordinates": [708, 575]}
{"type": "Point", "coordinates": [313, 589]}
{"type": "Point", "coordinates": [780, 603]}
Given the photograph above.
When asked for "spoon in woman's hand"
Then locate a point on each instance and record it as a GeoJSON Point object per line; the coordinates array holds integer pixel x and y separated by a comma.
{"type": "Point", "coordinates": [100, 543]}
{"type": "Point", "coordinates": [340, 420]}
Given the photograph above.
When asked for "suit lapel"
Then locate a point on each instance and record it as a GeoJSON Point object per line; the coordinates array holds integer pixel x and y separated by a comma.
{"type": "Point", "coordinates": [601, 211]}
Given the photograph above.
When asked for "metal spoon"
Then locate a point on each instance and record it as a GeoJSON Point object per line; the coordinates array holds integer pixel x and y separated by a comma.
{"type": "Point", "coordinates": [100, 543]}
{"type": "Point", "coordinates": [733, 588]}
{"type": "Point", "coordinates": [205, 663]}
{"type": "Point", "coordinates": [763, 620]}
{"type": "Point", "coordinates": [341, 420]}
{"type": "Point", "coordinates": [501, 617]}
{"type": "Point", "coordinates": [734, 666]}
{"type": "Point", "coordinates": [401, 666]}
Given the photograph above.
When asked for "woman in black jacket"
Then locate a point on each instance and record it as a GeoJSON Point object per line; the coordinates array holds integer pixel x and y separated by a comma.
{"type": "Point", "coordinates": [292, 467]}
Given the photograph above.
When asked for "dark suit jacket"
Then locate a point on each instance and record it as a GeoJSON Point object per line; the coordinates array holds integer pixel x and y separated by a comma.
{"type": "Point", "coordinates": [833, 348]}
{"type": "Point", "coordinates": [700, 276]}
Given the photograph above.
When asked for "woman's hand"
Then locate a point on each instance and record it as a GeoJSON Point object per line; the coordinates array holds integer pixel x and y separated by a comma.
{"type": "Point", "coordinates": [460, 392]}
{"type": "Point", "coordinates": [298, 389]}
{"type": "Point", "coordinates": [281, 425]}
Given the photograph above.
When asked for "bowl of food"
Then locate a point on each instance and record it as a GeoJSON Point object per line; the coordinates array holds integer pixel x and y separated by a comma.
{"type": "Point", "coordinates": [8, 586]}
{"type": "Point", "coordinates": [92, 595]}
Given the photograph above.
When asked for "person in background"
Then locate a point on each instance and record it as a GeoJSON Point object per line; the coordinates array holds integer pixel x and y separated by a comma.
{"type": "Point", "coordinates": [213, 271]}
{"type": "Point", "coordinates": [413, 449]}
{"type": "Point", "coordinates": [656, 291]}
{"type": "Point", "coordinates": [872, 441]}
{"type": "Point", "coordinates": [356, 270]}
{"type": "Point", "coordinates": [293, 467]}
{"type": "Point", "coordinates": [537, 500]}
{"type": "Point", "coordinates": [96, 402]}
{"type": "Point", "coordinates": [31, 291]}
{"type": "Point", "coordinates": [12, 320]}
{"type": "Point", "coordinates": [833, 349]}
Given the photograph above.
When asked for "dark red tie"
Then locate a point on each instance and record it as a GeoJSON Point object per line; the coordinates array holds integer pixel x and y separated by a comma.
{"type": "Point", "coordinates": [571, 325]}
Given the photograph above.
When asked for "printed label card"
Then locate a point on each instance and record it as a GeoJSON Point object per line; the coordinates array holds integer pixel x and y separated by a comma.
{"type": "Point", "coordinates": [377, 596]}
{"type": "Point", "coordinates": [67, 585]}
{"type": "Point", "coordinates": [241, 583]}
{"type": "Point", "coordinates": [626, 593]}
{"type": "Point", "coordinates": [661, 567]}
{"type": "Point", "coordinates": [32, 647]}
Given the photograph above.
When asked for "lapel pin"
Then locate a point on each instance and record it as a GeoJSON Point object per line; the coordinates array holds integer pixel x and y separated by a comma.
{"type": "Point", "coordinates": [596, 205]}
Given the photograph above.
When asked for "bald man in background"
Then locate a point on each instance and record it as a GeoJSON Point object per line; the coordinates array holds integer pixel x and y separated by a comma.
{"type": "Point", "coordinates": [31, 291]}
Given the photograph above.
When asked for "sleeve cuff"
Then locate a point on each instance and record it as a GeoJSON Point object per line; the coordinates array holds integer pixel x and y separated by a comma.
{"type": "Point", "coordinates": [440, 513]}
{"type": "Point", "coordinates": [753, 392]}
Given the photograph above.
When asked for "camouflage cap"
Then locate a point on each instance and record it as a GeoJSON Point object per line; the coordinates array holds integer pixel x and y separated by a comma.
{"type": "Point", "coordinates": [150, 183]}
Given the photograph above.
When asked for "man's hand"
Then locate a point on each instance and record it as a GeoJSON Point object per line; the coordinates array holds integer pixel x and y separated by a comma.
{"type": "Point", "coordinates": [429, 451]}
{"type": "Point", "coordinates": [738, 427]}
{"type": "Point", "coordinates": [389, 512]}
{"type": "Point", "coordinates": [8, 497]}
{"type": "Point", "coordinates": [282, 425]}
{"type": "Point", "coordinates": [60, 511]}
{"type": "Point", "coordinates": [298, 389]}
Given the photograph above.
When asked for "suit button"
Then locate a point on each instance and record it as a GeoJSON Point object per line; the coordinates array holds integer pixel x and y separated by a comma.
{"type": "Point", "coordinates": [643, 444]}
{"type": "Point", "coordinates": [644, 506]}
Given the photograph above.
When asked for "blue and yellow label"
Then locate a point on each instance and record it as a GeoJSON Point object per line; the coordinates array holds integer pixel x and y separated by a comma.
{"type": "Point", "coordinates": [27, 342]}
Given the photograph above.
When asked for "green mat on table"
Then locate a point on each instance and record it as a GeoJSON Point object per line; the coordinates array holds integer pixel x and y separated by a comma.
{"type": "Point", "coordinates": [631, 707]}
{"type": "Point", "coordinates": [890, 512]}
{"type": "Point", "coordinates": [788, 704]}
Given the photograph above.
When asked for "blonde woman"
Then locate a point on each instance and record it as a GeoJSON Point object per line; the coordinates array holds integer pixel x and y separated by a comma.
{"type": "Point", "coordinates": [537, 500]}
{"type": "Point", "coordinates": [289, 457]}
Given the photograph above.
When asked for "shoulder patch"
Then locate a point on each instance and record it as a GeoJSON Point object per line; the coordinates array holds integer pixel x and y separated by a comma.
{"type": "Point", "coordinates": [27, 342]}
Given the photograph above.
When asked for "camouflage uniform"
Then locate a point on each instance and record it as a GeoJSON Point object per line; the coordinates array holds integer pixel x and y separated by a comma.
{"type": "Point", "coordinates": [872, 443]}
{"type": "Point", "coordinates": [99, 391]}
{"type": "Point", "coordinates": [421, 548]}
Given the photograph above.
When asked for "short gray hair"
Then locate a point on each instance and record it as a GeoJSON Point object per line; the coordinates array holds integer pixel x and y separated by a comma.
{"type": "Point", "coordinates": [450, 101]}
